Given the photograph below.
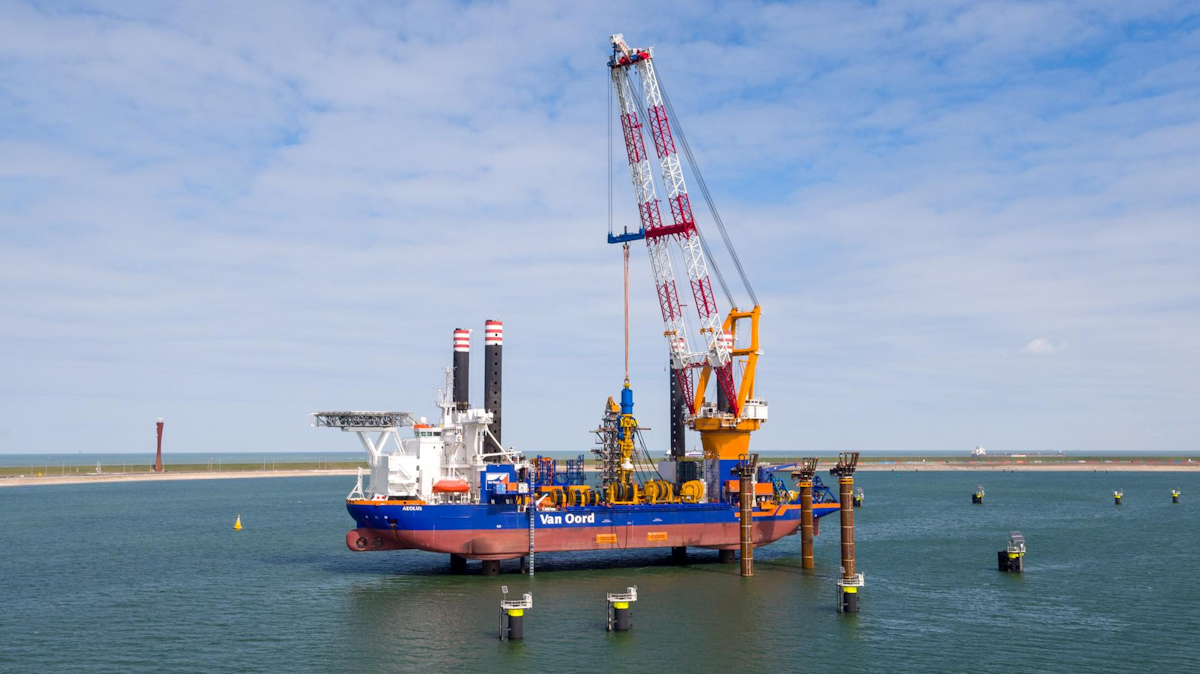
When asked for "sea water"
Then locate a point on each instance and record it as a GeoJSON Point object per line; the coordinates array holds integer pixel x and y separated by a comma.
{"type": "Point", "coordinates": [151, 577]}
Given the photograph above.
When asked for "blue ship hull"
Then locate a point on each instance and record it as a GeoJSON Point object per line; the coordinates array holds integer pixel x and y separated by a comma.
{"type": "Point", "coordinates": [501, 531]}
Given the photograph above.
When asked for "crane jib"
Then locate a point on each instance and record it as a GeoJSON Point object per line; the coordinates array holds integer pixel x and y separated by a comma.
{"type": "Point", "coordinates": [652, 107]}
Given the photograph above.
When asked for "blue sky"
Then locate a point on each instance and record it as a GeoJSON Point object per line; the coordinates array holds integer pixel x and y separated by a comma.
{"type": "Point", "coordinates": [968, 222]}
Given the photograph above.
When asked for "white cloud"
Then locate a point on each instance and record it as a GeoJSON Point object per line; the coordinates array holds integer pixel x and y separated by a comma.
{"type": "Point", "coordinates": [275, 207]}
{"type": "Point", "coordinates": [1042, 347]}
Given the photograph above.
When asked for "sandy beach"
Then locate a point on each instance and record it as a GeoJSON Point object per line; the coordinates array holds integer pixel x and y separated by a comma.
{"type": "Point", "coordinates": [1089, 467]}
{"type": "Point", "coordinates": [93, 478]}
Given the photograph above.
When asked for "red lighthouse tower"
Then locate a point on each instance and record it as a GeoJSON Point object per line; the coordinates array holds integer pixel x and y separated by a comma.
{"type": "Point", "coordinates": [158, 459]}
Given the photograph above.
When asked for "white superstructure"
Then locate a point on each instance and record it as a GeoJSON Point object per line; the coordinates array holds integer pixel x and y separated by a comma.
{"type": "Point", "coordinates": [438, 463]}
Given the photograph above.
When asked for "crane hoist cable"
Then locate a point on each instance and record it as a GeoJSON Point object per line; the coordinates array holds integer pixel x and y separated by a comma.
{"type": "Point", "coordinates": [625, 256]}
{"type": "Point", "coordinates": [625, 246]}
{"type": "Point", "coordinates": [610, 157]}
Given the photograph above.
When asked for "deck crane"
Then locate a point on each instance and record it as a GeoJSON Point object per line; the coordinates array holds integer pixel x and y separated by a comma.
{"type": "Point", "coordinates": [724, 425]}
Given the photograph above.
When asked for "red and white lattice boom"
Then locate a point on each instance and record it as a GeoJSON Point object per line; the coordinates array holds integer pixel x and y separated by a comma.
{"type": "Point", "coordinates": [717, 351]}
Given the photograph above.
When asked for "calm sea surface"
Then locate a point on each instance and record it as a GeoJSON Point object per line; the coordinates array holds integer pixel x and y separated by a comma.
{"type": "Point", "coordinates": [150, 577]}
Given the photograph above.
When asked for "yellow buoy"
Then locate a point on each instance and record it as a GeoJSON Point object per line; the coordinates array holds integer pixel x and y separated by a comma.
{"type": "Point", "coordinates": [237, 526]}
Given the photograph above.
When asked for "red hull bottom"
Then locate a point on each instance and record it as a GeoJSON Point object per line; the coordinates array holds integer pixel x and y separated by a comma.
{"type": "Point", "coordinates": [514, 543]}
